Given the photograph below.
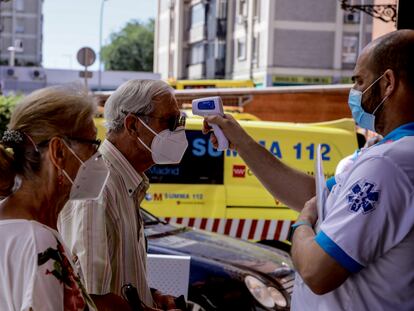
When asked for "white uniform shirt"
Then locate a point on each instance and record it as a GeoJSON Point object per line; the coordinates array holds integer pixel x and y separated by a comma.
{"type": "Point", "coordinates": [35, 270]}
{"type": "Point", "coordinates": [106, 235]}
{"type": "Point", "coordinates": [368, 229]}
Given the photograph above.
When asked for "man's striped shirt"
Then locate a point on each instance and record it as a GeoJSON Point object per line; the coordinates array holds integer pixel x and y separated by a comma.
{"type": "Point", "coordinates": [107, 235]}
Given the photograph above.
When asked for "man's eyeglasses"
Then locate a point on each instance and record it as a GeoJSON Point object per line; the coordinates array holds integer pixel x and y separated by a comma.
{"type": "Point", "coordinates": [173, 122]}
{"type": "Point", "coordinates": [94, 142]}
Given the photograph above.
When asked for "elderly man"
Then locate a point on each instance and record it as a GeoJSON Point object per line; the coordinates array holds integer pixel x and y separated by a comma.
{"type": "Point", "coordinates": [361, 256]}
{"type": "Point", "coordinates": [107, 235]}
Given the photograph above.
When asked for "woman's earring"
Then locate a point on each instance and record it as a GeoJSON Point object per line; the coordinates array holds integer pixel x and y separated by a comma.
{"type": "Point", "coordinates": [60, 177]}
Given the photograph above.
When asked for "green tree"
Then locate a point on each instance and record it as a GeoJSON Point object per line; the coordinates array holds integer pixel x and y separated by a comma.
{"type": "Point", "coordinates": [131, 49]}
{"type": "Point", "coordinates": [7, 104]}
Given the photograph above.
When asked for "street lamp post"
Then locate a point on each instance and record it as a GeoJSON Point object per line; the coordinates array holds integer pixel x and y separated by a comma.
{"type": "Point", "coordinates": [100, 47]}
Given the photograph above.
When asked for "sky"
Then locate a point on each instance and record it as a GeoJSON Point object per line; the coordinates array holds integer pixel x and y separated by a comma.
{"type": "Point", "coordinates": [69, 25]}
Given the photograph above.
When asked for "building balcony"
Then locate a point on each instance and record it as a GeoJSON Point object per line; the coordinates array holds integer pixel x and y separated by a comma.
{"type": "Point", "coordinates": [197, 71]}
{"type": "Point", "coordinates": [197, 34]}
{"type": "Point", "coordinates": [221, 28]}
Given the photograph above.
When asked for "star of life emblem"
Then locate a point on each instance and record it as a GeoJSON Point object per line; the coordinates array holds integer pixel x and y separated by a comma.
{"type": "Point", "coordinates": [363, 196]}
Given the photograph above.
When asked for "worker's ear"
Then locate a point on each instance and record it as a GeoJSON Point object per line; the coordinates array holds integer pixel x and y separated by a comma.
{"type": "Point", "coordinates": [389, 82]}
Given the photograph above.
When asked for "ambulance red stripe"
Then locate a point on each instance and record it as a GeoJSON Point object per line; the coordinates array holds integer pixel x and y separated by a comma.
{"type": "Point", "coordinates": [239, 228]}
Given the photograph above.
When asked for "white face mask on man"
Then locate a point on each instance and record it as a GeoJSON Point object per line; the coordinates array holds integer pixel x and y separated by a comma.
{"type": "Point", "coordinates": [167, 147]}
{"type": "Point", "coordinates": [90, 179]}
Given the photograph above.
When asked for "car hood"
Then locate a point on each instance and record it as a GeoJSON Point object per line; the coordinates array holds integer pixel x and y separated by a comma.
{"type": "Point", "coordinates": [221, 248]}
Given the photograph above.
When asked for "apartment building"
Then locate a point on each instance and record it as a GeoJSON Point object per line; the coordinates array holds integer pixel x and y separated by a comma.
{"type": "Point", "coordinates": [190, 39]}
{"type": "Point", "coordinates": [273, 42]}
{"type": "Point", "coordinates": [21, 28]}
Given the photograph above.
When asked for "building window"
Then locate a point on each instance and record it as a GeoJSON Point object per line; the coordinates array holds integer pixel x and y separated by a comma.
{"type": "Point", "coordinates": [220, 50]}
{"type": "Point", "coordinates": [349, 49]}
{"type": "Point", "coordinates": [256, 10]}
{"type": "Point", "coordinates": [19, 29]}
{"type": "Point", "coordinates": [222, 9]}
{"type": "Point", "coordinates": [242, 7]}
{"type": "Point", "coordinates": [19, 26]}
{"type": "Point", "coordinates": [255, 49]}
{"type": "Point", "coordinates": [19, 5]}
{"type": "Point", "coordinates": [241, 48]}
{"type": "Point", "coordinates": [197, 53]}
{"type": "Point", "coordinates": [197, 15]}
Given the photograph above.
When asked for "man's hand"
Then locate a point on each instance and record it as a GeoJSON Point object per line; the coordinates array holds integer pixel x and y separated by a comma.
{"type": "Point", "coordinates": [309, 212]}
{"type": "Point", "coordinates": [317, 268]}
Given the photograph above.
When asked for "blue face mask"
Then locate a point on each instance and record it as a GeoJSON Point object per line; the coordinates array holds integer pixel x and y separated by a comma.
{"type": "Point", "coordinates": [362, 118]}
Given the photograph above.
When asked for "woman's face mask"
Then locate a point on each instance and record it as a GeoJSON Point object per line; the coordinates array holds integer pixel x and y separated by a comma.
{"type": "Point", "coordinates": [362, 118]}
{"type": "Point", "coordinates": [90, 179]}
{"type": "Point", "coordinates": [167, 147]}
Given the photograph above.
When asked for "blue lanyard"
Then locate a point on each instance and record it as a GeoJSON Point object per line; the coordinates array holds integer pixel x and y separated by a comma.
{"type": "Point", "coordinates": [399, 132]}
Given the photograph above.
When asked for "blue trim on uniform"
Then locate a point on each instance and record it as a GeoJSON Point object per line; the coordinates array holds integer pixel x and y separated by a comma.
{"type": "Point", "coordinates": [399, 132]}
{"type": "Point", "coordinates": [330, 183]}
{"type": "Point", "coordinates": [356, 154]}
{"type": "Point", "coordinates": [337, 253]}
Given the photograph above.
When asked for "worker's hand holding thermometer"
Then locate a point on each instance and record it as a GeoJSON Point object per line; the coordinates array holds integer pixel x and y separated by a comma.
{"type": "Point", "coordinates": [209, 106]}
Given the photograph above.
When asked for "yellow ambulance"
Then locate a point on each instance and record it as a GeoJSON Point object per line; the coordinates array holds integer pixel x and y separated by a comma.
{"type": "Point", "coordinates": [215, 190]}
{"type": "Point", "coordinates": [209, 84]}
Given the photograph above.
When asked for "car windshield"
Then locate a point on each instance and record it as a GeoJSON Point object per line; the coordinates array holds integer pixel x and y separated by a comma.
{"type": "Point", "coordinates": [148, 218]}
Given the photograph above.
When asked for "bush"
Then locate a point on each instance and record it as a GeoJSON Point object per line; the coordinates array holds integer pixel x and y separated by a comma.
{"type": "Point", "coordinates": [7, 104]}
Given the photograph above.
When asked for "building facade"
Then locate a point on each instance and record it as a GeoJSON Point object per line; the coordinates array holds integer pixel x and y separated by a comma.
{"type": "Point", "coordinates": [380, 27]}
{"type": "Point", "coordinates": [21, 23]}
{"type": "Point", "coordinates": [273, 42]}
{"type": "Point", "coordinates": [22, 79]}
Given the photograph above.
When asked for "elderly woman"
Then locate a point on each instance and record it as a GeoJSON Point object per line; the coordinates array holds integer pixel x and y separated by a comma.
{"type": "Point", "coordinates": [50, 149]}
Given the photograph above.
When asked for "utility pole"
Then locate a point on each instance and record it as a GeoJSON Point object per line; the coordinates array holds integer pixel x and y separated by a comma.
{"type": "Point", "coordinates": [100, 46]}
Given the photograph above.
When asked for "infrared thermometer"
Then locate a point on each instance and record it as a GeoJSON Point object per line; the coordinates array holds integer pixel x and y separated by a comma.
{"type": "Point", "coordinates": [209, 106]}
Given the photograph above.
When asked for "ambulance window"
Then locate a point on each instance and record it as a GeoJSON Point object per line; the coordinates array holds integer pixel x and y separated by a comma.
{"type": "Point", "coordinates": [201, 164]}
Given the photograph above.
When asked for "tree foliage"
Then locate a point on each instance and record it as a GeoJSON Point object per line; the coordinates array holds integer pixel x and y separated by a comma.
{"type": "Point", "coordinates": [131, 49]}
{"type": "Point", "coordinates": [7, 104]}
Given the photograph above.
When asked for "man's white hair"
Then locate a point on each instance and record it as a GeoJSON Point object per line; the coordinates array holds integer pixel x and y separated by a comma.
{"type": "Point", "coordinates": [133, 96]}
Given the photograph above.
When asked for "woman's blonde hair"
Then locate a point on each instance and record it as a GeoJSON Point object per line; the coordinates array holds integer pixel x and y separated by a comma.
{"type": "Point", "coordinates": [42, 115]}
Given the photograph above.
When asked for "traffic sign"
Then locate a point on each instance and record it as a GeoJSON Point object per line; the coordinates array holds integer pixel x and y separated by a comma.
{"type": "Point", "coordinates": [86, 56]}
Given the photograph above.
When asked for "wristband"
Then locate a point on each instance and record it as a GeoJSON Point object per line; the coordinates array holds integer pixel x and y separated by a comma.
{"type": "Point", "coordinates": [296, 225]}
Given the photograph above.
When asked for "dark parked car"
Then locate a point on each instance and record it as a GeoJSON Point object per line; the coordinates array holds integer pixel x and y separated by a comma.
{"type": "Point", "coordinates": [225, 273]}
